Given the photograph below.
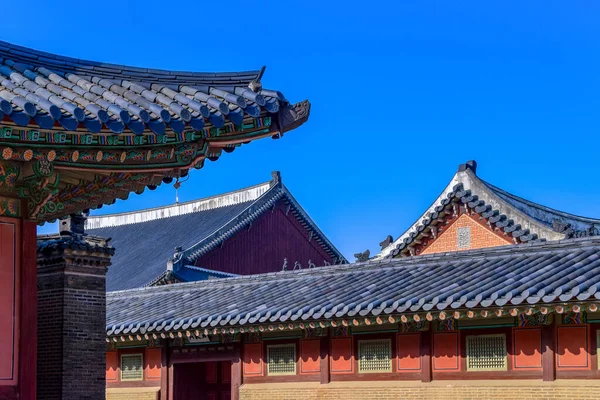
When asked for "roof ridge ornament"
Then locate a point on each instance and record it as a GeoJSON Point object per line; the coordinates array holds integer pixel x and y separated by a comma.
{"type": "Point", "coordinates": [471, 164]}
{"type": "Point", "coordinates": [565, 228]}
{"type": "Point", "coordinates": [255, 84]}
{"type": "Point", "coordinates": [364, 256]}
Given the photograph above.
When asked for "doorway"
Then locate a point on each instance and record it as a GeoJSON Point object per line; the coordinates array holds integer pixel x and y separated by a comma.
{"type": "Point", "coordinates": [209, 380]}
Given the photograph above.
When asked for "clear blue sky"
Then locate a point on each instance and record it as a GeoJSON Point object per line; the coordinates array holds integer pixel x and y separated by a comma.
{"type": "Point", "coordinates": [402, 92]}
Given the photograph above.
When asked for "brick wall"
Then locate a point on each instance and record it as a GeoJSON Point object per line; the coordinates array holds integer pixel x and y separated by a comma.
{"type": "Point", "coordinates": [71, 325]}
{"type": "Point", "coordinates": [449, 390]}
{"type": "Point", "coordinates": [132, 394]}
{"type": "Point", "coordinates": [481, 237]}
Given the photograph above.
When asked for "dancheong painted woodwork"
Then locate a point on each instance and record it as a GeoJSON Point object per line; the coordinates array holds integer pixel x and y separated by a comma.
{"type": "Point", "coordinates": [77, 134]}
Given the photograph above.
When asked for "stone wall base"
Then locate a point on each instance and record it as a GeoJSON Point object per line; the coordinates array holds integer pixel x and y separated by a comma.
{"type": "Point", "coordinates": [142, 393]}
{"type": "Point", "coordinates": [439, 390]}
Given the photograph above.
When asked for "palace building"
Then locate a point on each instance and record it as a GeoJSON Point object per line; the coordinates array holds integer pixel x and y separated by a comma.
{"type": "Point", "coordinates": [76, 135]}
{"type": "Point", "coordinates": [249, 231]}
{"type": "Point", "coordinates": [487, 295]}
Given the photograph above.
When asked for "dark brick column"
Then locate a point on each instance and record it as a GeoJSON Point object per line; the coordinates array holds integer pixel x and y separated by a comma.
{"type": "Point", "coordinates": [72, 313]}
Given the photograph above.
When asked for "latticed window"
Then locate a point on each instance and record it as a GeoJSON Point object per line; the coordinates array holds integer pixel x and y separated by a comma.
{"type": "Point", "coordinates": [132, 368]}
{"type": "Point", "coordinates": [375, 356]}
{"type": "Point", "coordinates": [281, 359]}
{"type": "Point", "coordinates": [486, 353]}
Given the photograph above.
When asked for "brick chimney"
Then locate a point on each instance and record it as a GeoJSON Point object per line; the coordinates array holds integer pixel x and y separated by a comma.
{"type": "Point", "coordinates": [72, 313]}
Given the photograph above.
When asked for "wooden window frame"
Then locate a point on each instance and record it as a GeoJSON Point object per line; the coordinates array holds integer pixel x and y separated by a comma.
{"type": "Point", "coordinates": [391, 358]}
{"type": "Point", "coordinates": [295, 359]}
{"type": "Point", "coordinates": [490, 369]}
{"type": "Point", "coordinates": [141, 356]}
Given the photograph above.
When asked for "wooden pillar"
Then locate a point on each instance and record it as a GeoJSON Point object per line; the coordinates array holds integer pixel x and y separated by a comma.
{"type": "Point", "coordinates": [164, 371]}
{"type": "Point", "coordinates": [18, 298]}
{"type": "Point", "coordinates": [426, 355]}
{"type": "Point", "coordinates": [236, 374]}
{"type": "Point", "coordinates": [171, 381]}
{"type": "Point", "coordinates": [324, 360]}
{"type": "Point", "coordinates": [548, 353]}
{"type": "Point", "coordinates": [28, 328]}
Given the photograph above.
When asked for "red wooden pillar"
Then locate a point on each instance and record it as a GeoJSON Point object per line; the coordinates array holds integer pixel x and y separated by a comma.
{"type": "Point", "coordinates": [18, 311]}
{"type": "Point", "coordinates": [28, 328]}
{"type": "Point", "coordinates": [236, 373]}
{"type": "Point", "coordinates": [324, 360]}
{"type": "Point", "coordinates": [548, 353]}
{"type": "Point", "coordinates": [164, 371]}
{"type": "Point", "coordinates": [426, 355]}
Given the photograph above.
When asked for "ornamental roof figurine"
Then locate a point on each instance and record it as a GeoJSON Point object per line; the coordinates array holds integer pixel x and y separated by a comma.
{"type": "Point", "coordinates": [95, 132]}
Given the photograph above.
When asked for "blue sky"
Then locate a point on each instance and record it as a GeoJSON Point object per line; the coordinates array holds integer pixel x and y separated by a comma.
{"type": "Point", "coordinates": [402, 92]}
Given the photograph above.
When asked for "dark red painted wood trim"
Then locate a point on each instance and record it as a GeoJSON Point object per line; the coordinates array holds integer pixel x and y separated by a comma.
{"type": "Point", "coordinates": [28, 325]}
{"type": "Point", "coordinates": [548, 353]}
{"type": "Point", "coordinates": [171, 381]}
{"type": "Point", "coordinates": [426, 346]}
{"type": "Point", "coordinates": [164, 372]}
{"type": "Point", "coordinates": [325, 373]}
{"type": "Point", "coordinates": [236, 376]}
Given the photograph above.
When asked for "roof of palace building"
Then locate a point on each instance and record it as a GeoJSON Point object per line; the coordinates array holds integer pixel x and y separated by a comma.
{"type": "Point", "coordinates": [518, 219]}
{"type": "Point", "coordinates": [53, 91]}
{"type": "Point", "coordinates": [153, 247]}
{"type": "Point", "coordinates": [524, 275]}
{"type": "Point", "coordinates": [91, 132]}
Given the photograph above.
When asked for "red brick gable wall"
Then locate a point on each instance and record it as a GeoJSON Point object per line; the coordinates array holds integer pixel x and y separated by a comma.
{"type": "Point", "coordinates": [263, 246]}
{"type": "Point", "coordinates": [481, 237]}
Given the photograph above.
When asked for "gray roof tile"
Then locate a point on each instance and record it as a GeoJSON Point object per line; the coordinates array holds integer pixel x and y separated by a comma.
{"type": "Point", "coordinates": [567, 270]}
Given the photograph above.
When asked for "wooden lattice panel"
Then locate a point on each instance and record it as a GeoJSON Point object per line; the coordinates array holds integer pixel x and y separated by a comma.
{"type": "Point", "coordinates": [486, 353]}
{"type": "Point", "coordinates": [281, 359]}
{"type": "Point", "coordinates": [132, 368]}
{"type": "Point", "coordinates": [375, 356]}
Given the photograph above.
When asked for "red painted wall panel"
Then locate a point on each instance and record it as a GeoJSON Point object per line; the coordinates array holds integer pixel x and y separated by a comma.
{"type": "Point", "coordinates": [409, 352]}
{"type": "Point", "coordinates": [527, 349]}
{"type": "Point", "coordinates": [572, 347]}
{"type": "Point", "coordinates": [253, 364]}
{"type": "Point", "coordinates": [8, 299]}
{"type": "Point", "coordinates": [153, 363]}
{"type": "Point", "coordinates": [270, 239]}
{"type": "Point", "coordinates": [310, 350]}
{"type": "Point", "coordinates": [112, 366]}
{"type": "Point", "coordinates": [341, 356]}
{"type": "Point", "coordinates": [445, 352]}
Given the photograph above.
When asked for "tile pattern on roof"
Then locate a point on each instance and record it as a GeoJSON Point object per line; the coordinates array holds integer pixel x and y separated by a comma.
{"type": "Point", "coordinates": [449, 208]}
{"type": "Point", "coordinates": [52, 91]}
{"type": "Point", "coordinates": [545, 222]}
{"type": "Point", "coordinates": [520, 275]}
{"type": "Point", "coordinates": [176, 238]}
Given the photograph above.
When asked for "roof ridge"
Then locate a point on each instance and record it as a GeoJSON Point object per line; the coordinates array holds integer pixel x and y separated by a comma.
{"type": "Point", "coordinates": [540, 206]}
{"type": "Point", "coordinates": [188, 207]}
{"type": "Point", "coordinates": [500, 251]}
{"type": "Point", "coordinates": [24, 51]}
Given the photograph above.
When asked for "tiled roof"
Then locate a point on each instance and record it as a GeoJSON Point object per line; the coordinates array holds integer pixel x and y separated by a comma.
{"type": "Point", "coordinates": [50, 91]}
{"type": "Point", "coordinates": [516, 275]}
{"type": "Point", "coordinates": [521, 220]}
{"type": "Point", "coordinates": [146, 240]}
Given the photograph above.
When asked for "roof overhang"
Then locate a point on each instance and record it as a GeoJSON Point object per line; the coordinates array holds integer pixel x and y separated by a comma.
{"type": "Point", "coordinates": [77, 134]}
